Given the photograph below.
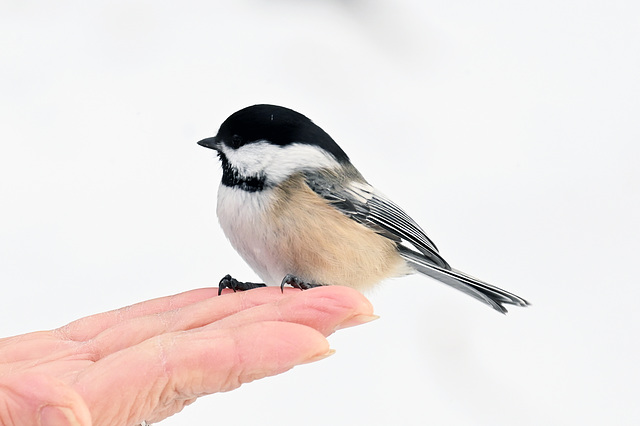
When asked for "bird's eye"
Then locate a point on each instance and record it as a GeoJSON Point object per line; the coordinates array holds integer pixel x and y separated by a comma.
{"type": "Point", "coordinates": [236, 141]}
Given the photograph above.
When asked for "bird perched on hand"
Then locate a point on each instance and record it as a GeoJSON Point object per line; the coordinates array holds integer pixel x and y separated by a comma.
{"type": "Point", "coordinates": [299, 213]}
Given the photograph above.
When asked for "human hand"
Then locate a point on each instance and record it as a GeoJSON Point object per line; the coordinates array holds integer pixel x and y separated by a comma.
{"type": "Point", "coordinates": [149, 360]}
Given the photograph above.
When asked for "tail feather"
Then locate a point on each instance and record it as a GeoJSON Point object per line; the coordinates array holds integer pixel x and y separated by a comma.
{"type": "Point", "coordinates": [486, 293]}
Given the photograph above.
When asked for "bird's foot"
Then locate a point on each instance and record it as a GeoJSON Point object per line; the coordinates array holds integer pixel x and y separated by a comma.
{"type": "Point", "coordinates": [229, 282]}
{"type": "Point", "coordinates": [296, 282]}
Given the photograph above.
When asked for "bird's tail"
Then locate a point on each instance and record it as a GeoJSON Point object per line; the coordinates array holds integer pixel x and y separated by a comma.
{"type": "Point", "coordinates": [486, 293]}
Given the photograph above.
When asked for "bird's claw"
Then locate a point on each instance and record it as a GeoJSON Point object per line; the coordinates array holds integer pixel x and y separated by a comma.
{"type": "Point", "coordinates": [229, 282]}
{"type": "Point", "coordinates": [296, 282]}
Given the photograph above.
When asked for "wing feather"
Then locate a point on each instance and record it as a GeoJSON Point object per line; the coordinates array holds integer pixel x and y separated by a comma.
{"type": "Point", "coordinates": [364, 204]}
{"type": "Point", "coordinates": [354, 197]}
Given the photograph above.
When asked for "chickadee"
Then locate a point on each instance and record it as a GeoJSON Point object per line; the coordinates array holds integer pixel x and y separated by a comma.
{"type": "Point", "coordinates": [299, 213]}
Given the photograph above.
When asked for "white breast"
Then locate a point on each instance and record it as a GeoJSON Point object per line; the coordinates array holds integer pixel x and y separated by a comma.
{"type": "Point", "coordinates": [242, 217]}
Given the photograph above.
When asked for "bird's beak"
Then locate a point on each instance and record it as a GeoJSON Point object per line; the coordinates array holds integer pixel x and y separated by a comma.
{"type": "Point", "coordinates": [209, 143]}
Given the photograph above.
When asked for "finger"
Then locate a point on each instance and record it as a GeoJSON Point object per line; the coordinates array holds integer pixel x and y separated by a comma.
{"type": "Point", "coordinates": [324, 308]}
{"type": "Point", "coordinates": [138, 329]}
{"type": "Point", "coordinates": [26, 347]}
{"type": "Point", "coordinates": [165, 373]}
{"type": "Point", "coordinates": [88, 327]}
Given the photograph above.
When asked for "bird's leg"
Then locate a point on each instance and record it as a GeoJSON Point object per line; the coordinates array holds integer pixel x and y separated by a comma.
{"type": "Point", "coordinates": [296, 282]}
{"type": "Point", "coordinates": [229, 282]}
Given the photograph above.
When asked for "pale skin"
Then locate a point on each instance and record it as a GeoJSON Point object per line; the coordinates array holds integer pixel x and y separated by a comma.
{"type": "Point", "coordinates": [149, 360]}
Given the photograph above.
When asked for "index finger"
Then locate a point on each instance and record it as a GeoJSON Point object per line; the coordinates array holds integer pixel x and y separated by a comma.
{"type": "Point", "coordinates": [88, 327]}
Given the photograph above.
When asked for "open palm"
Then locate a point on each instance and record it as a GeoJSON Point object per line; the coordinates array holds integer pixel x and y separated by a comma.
{"type": "Point", "coordinates": [147, 361]}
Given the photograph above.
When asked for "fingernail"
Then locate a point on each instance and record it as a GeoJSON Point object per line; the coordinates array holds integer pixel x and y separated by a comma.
{"type": "Point", "coordinates": [357, 320]}
{"type": "Point", "coordinates": [321, 356]}
{"type": "Point", "coordinates": [51, 415]}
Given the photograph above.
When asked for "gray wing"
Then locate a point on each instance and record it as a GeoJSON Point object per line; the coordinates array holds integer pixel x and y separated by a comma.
{"type": "Point", "coordinates": [361, 202]}
{"type": "Point", "coordinates": [364, 204]}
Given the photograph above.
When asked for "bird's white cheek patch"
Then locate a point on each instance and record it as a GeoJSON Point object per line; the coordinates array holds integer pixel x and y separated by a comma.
{"type": "Point", "coordinates": [276, 163]}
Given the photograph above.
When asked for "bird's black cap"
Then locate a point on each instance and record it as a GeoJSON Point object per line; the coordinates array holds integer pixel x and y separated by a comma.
{"type": "Point", "coordinates": [275, 124]}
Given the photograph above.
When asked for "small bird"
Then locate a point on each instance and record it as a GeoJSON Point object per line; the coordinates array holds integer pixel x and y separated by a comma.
{"type": "Point", "coordinates": [299, 213]}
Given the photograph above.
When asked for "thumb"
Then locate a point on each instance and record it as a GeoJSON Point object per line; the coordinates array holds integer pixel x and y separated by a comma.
{"type": "Point", "coordinates": [38, 399]}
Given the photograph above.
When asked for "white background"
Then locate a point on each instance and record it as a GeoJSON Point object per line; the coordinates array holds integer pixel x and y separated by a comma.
{"type": "Point", "coordinates": [509, 130]}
